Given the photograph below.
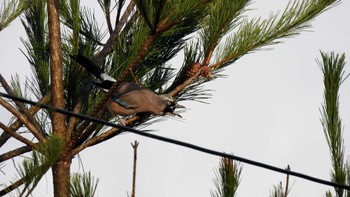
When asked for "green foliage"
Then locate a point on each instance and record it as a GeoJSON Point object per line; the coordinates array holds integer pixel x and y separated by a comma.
{"type": "Point", "coordinates": [43, 158]}
{"type": "Point", "coordinates": [333, 70]}
{"type": "Point", "coordinates": [10, 10]}
{"type": "Point", "coordinates": [82, 185]}
{"type": "Point", "coordinates": [15, 84]}
{"type": "Point", "coordinates": [227, 178]}
{"type": "Point", "coordinates": [223, 16]}
{"type": "Point", "coordinates": [253, 34]}
{"type": "Point", "coordinates": [37, 48]}
{"type": "Point", "coordinates": [277, 191]}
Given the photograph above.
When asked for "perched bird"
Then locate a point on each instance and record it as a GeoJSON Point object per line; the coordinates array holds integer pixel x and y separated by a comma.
{"type": "Point", "coordinates": [130, 98]}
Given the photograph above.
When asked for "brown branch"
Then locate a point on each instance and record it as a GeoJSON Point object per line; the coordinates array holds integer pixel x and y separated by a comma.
{"type": "Point", "coordinates": [208, 57]}
{"type": "Point", "coordinates": [221, 62]}
{"type": "Point", "coordinates": [163, 26]}
{"type": "Point", "coordinates": [58, 119]}
{"type": "Point", "coordinates": [287, 183]}
{"type": "Point", "coordinates": [108, 21]}
{"type": "Point", "coordinates": [96, 140]}
{"type": "Point", "coordinates": [17, 124]}
{"type": "Point", "coordinates": [17, 136]}
{"type": "Point", "coordinates": [23, 119]}
{"type": "Point", "coordinates": [13, 186]}
{"type": "Point", "coordinates": [20, 105]}
{"type": "Point", "coordinates": [73, 120]}
{"type": "Point", "coordinates": [190, 80]}
{"type": "Point", "coordinates": [14, 153]}
{"type": "Point", "coordinates": [88, 131]}
{"type": "Point", "coordinates": [102, 137]}
{"type": "Point", "coordinates": [134, 146]}
{"type": "Point", "coordinates": [108, 47]}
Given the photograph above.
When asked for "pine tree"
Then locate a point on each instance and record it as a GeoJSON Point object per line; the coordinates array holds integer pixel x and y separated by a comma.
{"type": "Point", "coordinates": [143, 37]}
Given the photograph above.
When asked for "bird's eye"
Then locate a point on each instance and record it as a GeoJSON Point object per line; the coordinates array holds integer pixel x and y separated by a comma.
{"type": "Point", "coordinates": [169, 103]}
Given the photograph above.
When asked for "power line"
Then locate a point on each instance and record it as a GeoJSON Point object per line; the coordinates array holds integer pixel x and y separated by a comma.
{"type": "Point", "coordinates": [180, 143]}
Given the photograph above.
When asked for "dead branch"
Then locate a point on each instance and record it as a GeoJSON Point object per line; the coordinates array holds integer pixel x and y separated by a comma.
{"type": "Point", "coordinates": [17, 136]}
{"type": "Point", "coordinates": [17, 124]}
{"type": "Point", "coordinates": [23, 119]}
{"type": "Point", "coordinates": [15, 153]}
{"type": "Point", "coordinates": [134, 146]}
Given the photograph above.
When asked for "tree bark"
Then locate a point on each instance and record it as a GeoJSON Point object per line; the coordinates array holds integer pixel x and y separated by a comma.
{"type": "Point", "coordinates": [61, 169]}
{"type": "Point", "coordinates": [56, 66]}
{"type": "Point", "coordinates": [61, 174]}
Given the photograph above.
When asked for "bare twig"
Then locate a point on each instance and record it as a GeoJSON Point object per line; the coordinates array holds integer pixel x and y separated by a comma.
{"type": "Point", "coordinates": [13, 186]}
{"type": "Point", "coordinates": [17, 124]}
{"type": "Point", "coordinates": [73, 120]}
{"type": "Point", "coordinates": [17, 136]}
{"type": "Point", "coordinates": [102, 137]}
{"type": "Point", "coordinates": [190, 80]}
{"type": "Point", "coordinates": [20, 105]}
{"type": "Point", "coordinates": [23, 119]}
{"type": "Point", "coordinates": [108, 21]}
{"type": "Point", "coordinates": [11, 154]}
{"type": "Point", "coordinates": [286, 191]}
{"type": "Point", "coordinates": [134, 146]}
{"type": "Point", "coordinates": [107, 49]}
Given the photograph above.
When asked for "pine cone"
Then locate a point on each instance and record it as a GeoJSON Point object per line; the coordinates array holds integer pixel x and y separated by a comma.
{"type": "Point", "coordinates": [193, 69]}
{"type": "Point", "coordinates": [206, 72]}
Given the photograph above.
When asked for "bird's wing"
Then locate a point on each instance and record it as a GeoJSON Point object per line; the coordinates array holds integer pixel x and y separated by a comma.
{"type": "Point", "coordinates": [123, 103]}
{"type": "Point", "coordinates": [93, 68]}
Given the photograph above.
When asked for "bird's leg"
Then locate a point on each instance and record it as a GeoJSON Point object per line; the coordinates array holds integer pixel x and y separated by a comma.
{"type": "Point", "coordinates": [136, 80]}
{"type": "Point", "coordinates": [121, 120]}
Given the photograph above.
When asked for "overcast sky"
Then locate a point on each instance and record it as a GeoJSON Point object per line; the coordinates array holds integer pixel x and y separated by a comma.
{"type": "Point", "coordinates": [267, 109]}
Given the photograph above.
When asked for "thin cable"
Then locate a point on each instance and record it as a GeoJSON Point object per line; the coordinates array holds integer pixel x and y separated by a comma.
{"type": "Point", "coordinates": [183, 144]}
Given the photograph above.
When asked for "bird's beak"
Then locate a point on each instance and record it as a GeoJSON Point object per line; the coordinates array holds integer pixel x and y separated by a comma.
{"type": "Point", "coordinates": [176, 114]}
{"type": "Point", "coordinates": [179, 106]}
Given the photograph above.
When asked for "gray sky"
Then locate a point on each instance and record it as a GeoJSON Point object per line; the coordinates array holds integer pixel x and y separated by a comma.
{"type": "Point", "coordinates": [267, 110]}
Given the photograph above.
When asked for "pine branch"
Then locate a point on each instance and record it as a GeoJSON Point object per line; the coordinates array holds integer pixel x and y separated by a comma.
{"type": "Point", "coordinates": [258, 33]}
{"type": "Point", "coordinates": [227, 178]}
{"type": "Point", "coordinates": [101, 138]}
{"type": "Point", "coordinates": [108, 47]}
{"type": "Point", "coordinates": [73, 121]}
{"type": "Point", "coordinates": [23, 119]}
{"type": "Point", "coordinates": [21, 106]}
{"type": "Point", "coordinates": [10, 10]}
{"type": "Point", "coordinates": [42, 160]}
{"type": "Point", "coordinates": [105, 5]}
{"type": "Point", "coordinates": [333, 70]}
{"type": "Point", "coordinates": [13, 186]}
{"type": "Point", "coordinates": [17, 136]}
{"type": "Point", "coordinates": [17, 124]}
{"type": "Point", "coordinates": [16, 152]}
{"type": "Point", "coordinates": [218, 25]}
{"type": "Point", "coordinates": [82, 185]}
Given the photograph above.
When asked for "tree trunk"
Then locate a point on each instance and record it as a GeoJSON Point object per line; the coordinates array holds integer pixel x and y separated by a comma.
{"type": "Point", "coordinates": [61, 174]}
{"type": "Point", "coordinates": [61, 169]}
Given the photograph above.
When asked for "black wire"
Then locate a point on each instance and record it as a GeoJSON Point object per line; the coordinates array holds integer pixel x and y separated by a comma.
{"type": "Point", "coordinates": [180, 143]}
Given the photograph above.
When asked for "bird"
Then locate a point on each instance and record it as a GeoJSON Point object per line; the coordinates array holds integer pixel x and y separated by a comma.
{"type": "Point", "coordinates": [129, 98]}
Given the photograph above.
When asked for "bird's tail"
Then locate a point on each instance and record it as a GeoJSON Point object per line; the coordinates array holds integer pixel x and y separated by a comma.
{"type": "Point", "coordinates": [106, 80]}
{"type": "Point", "coordinates": [89, 65]}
